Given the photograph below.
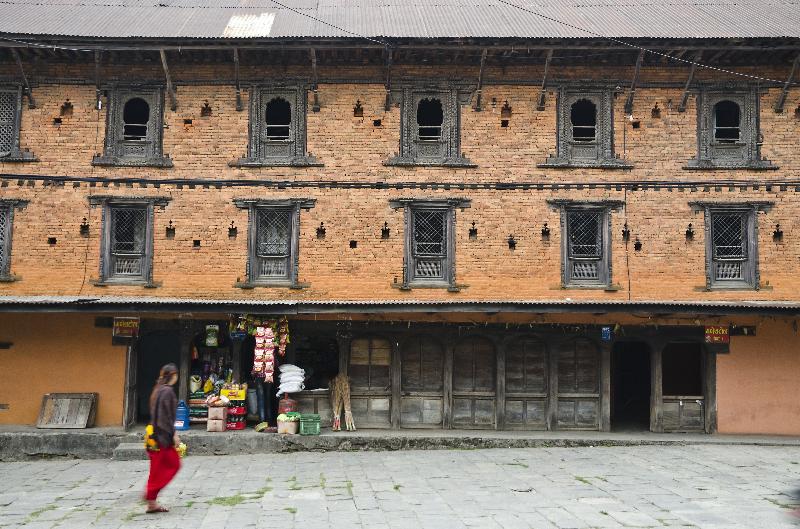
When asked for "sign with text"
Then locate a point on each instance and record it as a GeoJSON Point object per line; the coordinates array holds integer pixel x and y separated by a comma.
{"type": "Point", "coordinates": [718, 334]}
{"type": "Point", "coordinates": [125, 328]}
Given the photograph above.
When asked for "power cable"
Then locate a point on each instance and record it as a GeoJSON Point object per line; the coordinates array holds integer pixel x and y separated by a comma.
{"type": "Point", "coordinates": [353, 33]}
{"type": "Point", "coordinates": [636, 46]}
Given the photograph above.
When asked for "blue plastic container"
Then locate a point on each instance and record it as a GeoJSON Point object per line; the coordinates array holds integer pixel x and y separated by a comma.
{"type": "Point", "coordinates": [182, 417]}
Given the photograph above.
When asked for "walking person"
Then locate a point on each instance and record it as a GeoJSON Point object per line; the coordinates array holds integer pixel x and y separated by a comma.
{"type": "Point", "coordinates": [164, 459]}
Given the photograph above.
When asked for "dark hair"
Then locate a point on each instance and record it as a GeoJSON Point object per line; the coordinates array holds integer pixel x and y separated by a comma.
{"type": "Point", "coordinates": [163, 377]}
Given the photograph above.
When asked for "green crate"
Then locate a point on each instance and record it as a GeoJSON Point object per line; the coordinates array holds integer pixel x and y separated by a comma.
{"type": "Point", "coordinates": [309, 424]}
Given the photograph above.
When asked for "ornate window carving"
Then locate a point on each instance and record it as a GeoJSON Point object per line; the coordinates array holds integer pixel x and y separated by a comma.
{"type": "Point", "coordinates": [6, 231]}
{"type": "Point", "coordinates": [430, 128]}
{"type": "Point", "coordinates": [586, 242]}
{"type": "Point", "coordinates": [277, 135]}
{"type": "Point", "coordinates": [126, 246]}
{"type": "Point", "coordinates": [585, 130]}
{"type": "Point", "coordinates": [728, 135]}
{"type": "Point", "coordinates": [429, 259]}
{"type": "Point", "coordinates": [10, 118]}
{"type": "Point", "coordinates": [273, 241]}
{"type": "Point", "coordinates": [134, 129]}
{"type": "Point", "coordinates": [731, 233]}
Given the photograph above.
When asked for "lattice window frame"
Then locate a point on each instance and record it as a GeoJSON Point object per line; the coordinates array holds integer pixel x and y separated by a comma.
{"type": "Point", "coordinates": [596, 154]}
{"type": "Point", "coordinates": [749, 271]}
{"type": "Point", "coordinates": [446, 152]}
{"type": "Point", "coordinates": [410, 256]}
{"type": "Point", "coordinates": [262, 152]}
{"type": "Point", "coordinates": [254, 207]}
{"type": "Point", "coordinates": [109, 204]}
{"type": "Point", "coordinates": [120, 152]}
{"type": "Point", "coordinates": [7, 209]}
{"type": "Point", "coordinates": [10, 127]}
{"type": "Point", "coordinates": [743, 154]}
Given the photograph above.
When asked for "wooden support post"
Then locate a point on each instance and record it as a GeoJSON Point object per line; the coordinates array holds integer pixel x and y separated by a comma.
{"type": "Point", "coordinates": [314, 80]}
{"type": "Point", "coordinates": [447, 393]}
{"type": "Point", "coordinates": [685, 96]}
{"type": "Point", "coordinates": [344, 353]}
{"type": "Point", "coordinates": [500, 396]}
{"type": "Point", "coordinates": [785, 91]}
{"type": "Point", "coordinates": [656, 388]}
{"type": "Point", "coordinates": [239, 106]}
{"type": "Point", "coordinates": [26, 86]}
{"type": "Point", "coordinates": [477, 106]}
{"type": "Point", "coordinates": [388, 104]}
{"type": "Point", "coordinates": [634, 82]}
{"type": "Point", "coordinates": [173, 99]}
{"type": "Point", "coordinates": [98, 55]}
{"type": "Point", "coordinates": [236, 358]}
{"type": "Point", "coordinates": [551, 419]}
{"type": "Point", "coordinates": [543, 91]}
{"type": "Point", "coordinates": [395, 362]}
{"type": "Point", "coordinates": [605, 387]}
{"type": "Point", "coordinates": [187, 328]}
{"type": "Point", "coordinates": [710, 391]}
{"type": "Point", "coordinates": [130, 402]}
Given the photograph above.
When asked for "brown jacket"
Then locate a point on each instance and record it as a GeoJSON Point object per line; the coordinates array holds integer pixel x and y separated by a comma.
{"type": "Point", "coordinates": [162, 415]}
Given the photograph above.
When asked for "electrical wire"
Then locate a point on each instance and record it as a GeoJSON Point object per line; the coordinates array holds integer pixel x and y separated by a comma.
{"type": "Point", "coordinates": [353, 33]}
{"type": "Point", "coordinates": [636, 46]}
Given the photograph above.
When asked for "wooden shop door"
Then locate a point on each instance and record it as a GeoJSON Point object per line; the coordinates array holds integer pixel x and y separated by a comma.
{"type": "Point", "coordinates": [526, 384]}
{"type": "Point", "coordinates": [422, 383]}
{"type": "Point", "coordinates": [371, 382]}
{"type": "Point", "coordinates": [474, 384]}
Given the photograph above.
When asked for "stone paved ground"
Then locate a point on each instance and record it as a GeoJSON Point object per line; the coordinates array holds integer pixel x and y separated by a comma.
{"type": "Point", "coordinates": [710, 487]}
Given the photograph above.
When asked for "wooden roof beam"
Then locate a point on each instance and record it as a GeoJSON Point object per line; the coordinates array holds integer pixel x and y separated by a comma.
{"type": "Point", "coordinates": [685, 97]}
{"type": "Point", "coordinates": [314, 80]}
{"type": "Point", "coordinates": [477, 107]}
{"type": "Point", "coordinates": [387, 106]}
{"type": "Point", "coordinates": [173, 98]}
{"type": "Point", "coordinates": [239, 106]}
{"type": "Point", "coordinates": [634, 82]}
{"type": "Point", "coordinates": [785, 91]}
{"type": "Point", "coordinates": [26, 86]}
{"type": "Point", "coordinates": [543, 90]}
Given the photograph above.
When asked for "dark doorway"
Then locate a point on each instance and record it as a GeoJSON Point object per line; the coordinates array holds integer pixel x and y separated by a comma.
{"type": "Point", "coordinates": [154, 350]}
{"type": "Point", "coordinates": [630, 386]}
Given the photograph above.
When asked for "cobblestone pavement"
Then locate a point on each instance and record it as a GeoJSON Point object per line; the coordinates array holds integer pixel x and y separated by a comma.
{"type": "Point", "coordinates": [711, 487]}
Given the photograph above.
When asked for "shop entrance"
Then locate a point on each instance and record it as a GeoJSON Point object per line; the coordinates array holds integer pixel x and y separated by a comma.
{"type": "Point", "coordinates": [422, 383]}
{"type": "Point", "coordinates": [154, 349]}
{"type": "Point", "coordinates": [630, 386]}
{"type": "Point", "coordinates": [684, 400]}
{"type": "Point", "coordinates": [474, 383]}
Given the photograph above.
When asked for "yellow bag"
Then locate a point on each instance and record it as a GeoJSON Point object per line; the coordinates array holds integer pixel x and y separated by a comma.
{"type": "Point", "coordinates": [149, 441]}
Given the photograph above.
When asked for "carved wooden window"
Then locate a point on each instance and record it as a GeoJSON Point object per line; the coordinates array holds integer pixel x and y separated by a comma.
{"type": "Point", "coordinates": [134, 129]}
{"type": "Point", "coordinates": [585, 130]}
{"type": "Point", "coordinates": [587, 235]}
{"type": "Point", "coordinates": [430, 128]}
{"type": "Point", "coordinates": [6, 216]}
{"type": "Point", "coordinates": [10, 118]}
{"type": "Point", "coordinates": [273, 257]}
{"type": "Point", "coordinates": [273, 240]}
{"type": "Point", "coordinates": [126, 250]}
{"type": "Point", "coordinates": [728, 133]}
{"type": "Point", "coordinates": [732, 254]}
{"type": "Point", "coordinates": [277, 128]}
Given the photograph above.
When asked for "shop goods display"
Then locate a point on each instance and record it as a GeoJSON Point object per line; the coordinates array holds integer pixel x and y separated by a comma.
{"type": "Point", "coordinates": [181, 448]}
{"type": "Point", "coordinates": [288, 423]}
{"type": "Point", "coordinates": [236, 394]}
{"type": "Point", "coordinates": [263, 355]}
{"type": "Point", "coordinates": [340, 399]}
{"type": "Point", "coordinates": [286, 405]}
{"type": "Point", "coordinates": [292, 378]}
{"type": "Point", "coordinates": [309, 424]}
{"type": "Point", "coordinates": [250, 324]}
{"type": "Point", "coordinates": [212, 335]}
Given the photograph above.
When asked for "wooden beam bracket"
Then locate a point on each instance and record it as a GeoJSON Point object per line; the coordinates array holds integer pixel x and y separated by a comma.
{"type": "Point", "coordinates": [785, 91]}
{"type": "Point", "coordinates": [634, 82]}
{"type": "Point", "coordinates": [173, 99]}
{"type": "Point", "coordinates": [98, 56]}
{"type": "Point", "coordinates": [477, 107]}
{"type": "Point", "coordinates": [314, 80]}
{"type": "Point", "coordinates": [388, 104]}
{"type": "Point", "coordinates": [543, 91]}
{"type": "Point", "coordinates": [685, 97]}
{"type": "Point", "coordinates": [26, 86]}
{"type": "Point", "coordinates": [239, 105]}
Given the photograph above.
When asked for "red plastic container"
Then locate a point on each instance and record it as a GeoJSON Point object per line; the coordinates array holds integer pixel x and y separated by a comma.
{"type": "Point", "coordinates": [237, 410]}
{"type": "Point", "coordinates": [236, 425]}
{"type": "Point", "coordinates": [286, 405]}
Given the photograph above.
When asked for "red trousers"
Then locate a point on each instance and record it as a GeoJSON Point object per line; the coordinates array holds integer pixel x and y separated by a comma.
{"type": "Point", "coordinates": [164, 464]}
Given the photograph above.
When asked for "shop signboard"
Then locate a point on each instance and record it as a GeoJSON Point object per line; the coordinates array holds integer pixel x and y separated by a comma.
{"type": "Point", "coordinates": [717, 334]}
{"type": "Point", "coordinates": [124, 330]}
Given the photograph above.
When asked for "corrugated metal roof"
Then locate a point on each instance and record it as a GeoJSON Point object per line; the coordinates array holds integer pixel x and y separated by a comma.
{"type": "Point", "coordinates": [147, 303]}
{"type": "Point", "coordinates": [263, 19]}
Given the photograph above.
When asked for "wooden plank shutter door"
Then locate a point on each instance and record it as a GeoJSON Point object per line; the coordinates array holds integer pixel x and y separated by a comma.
{"type": "Point", "coordinates": [578, 371]}
{"type": "Point", "coordinates": [526, 384]}
{"type": "Point", "coordinates": [370, 382]}
{"type": "Point", "coordinates": [422, 383]}
{"type": "Point", "coordinates": [474, 384]}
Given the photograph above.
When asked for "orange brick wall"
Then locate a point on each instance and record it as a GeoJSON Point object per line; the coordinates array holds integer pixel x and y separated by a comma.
{"type": "Point", "coordinates": [352, 149]}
